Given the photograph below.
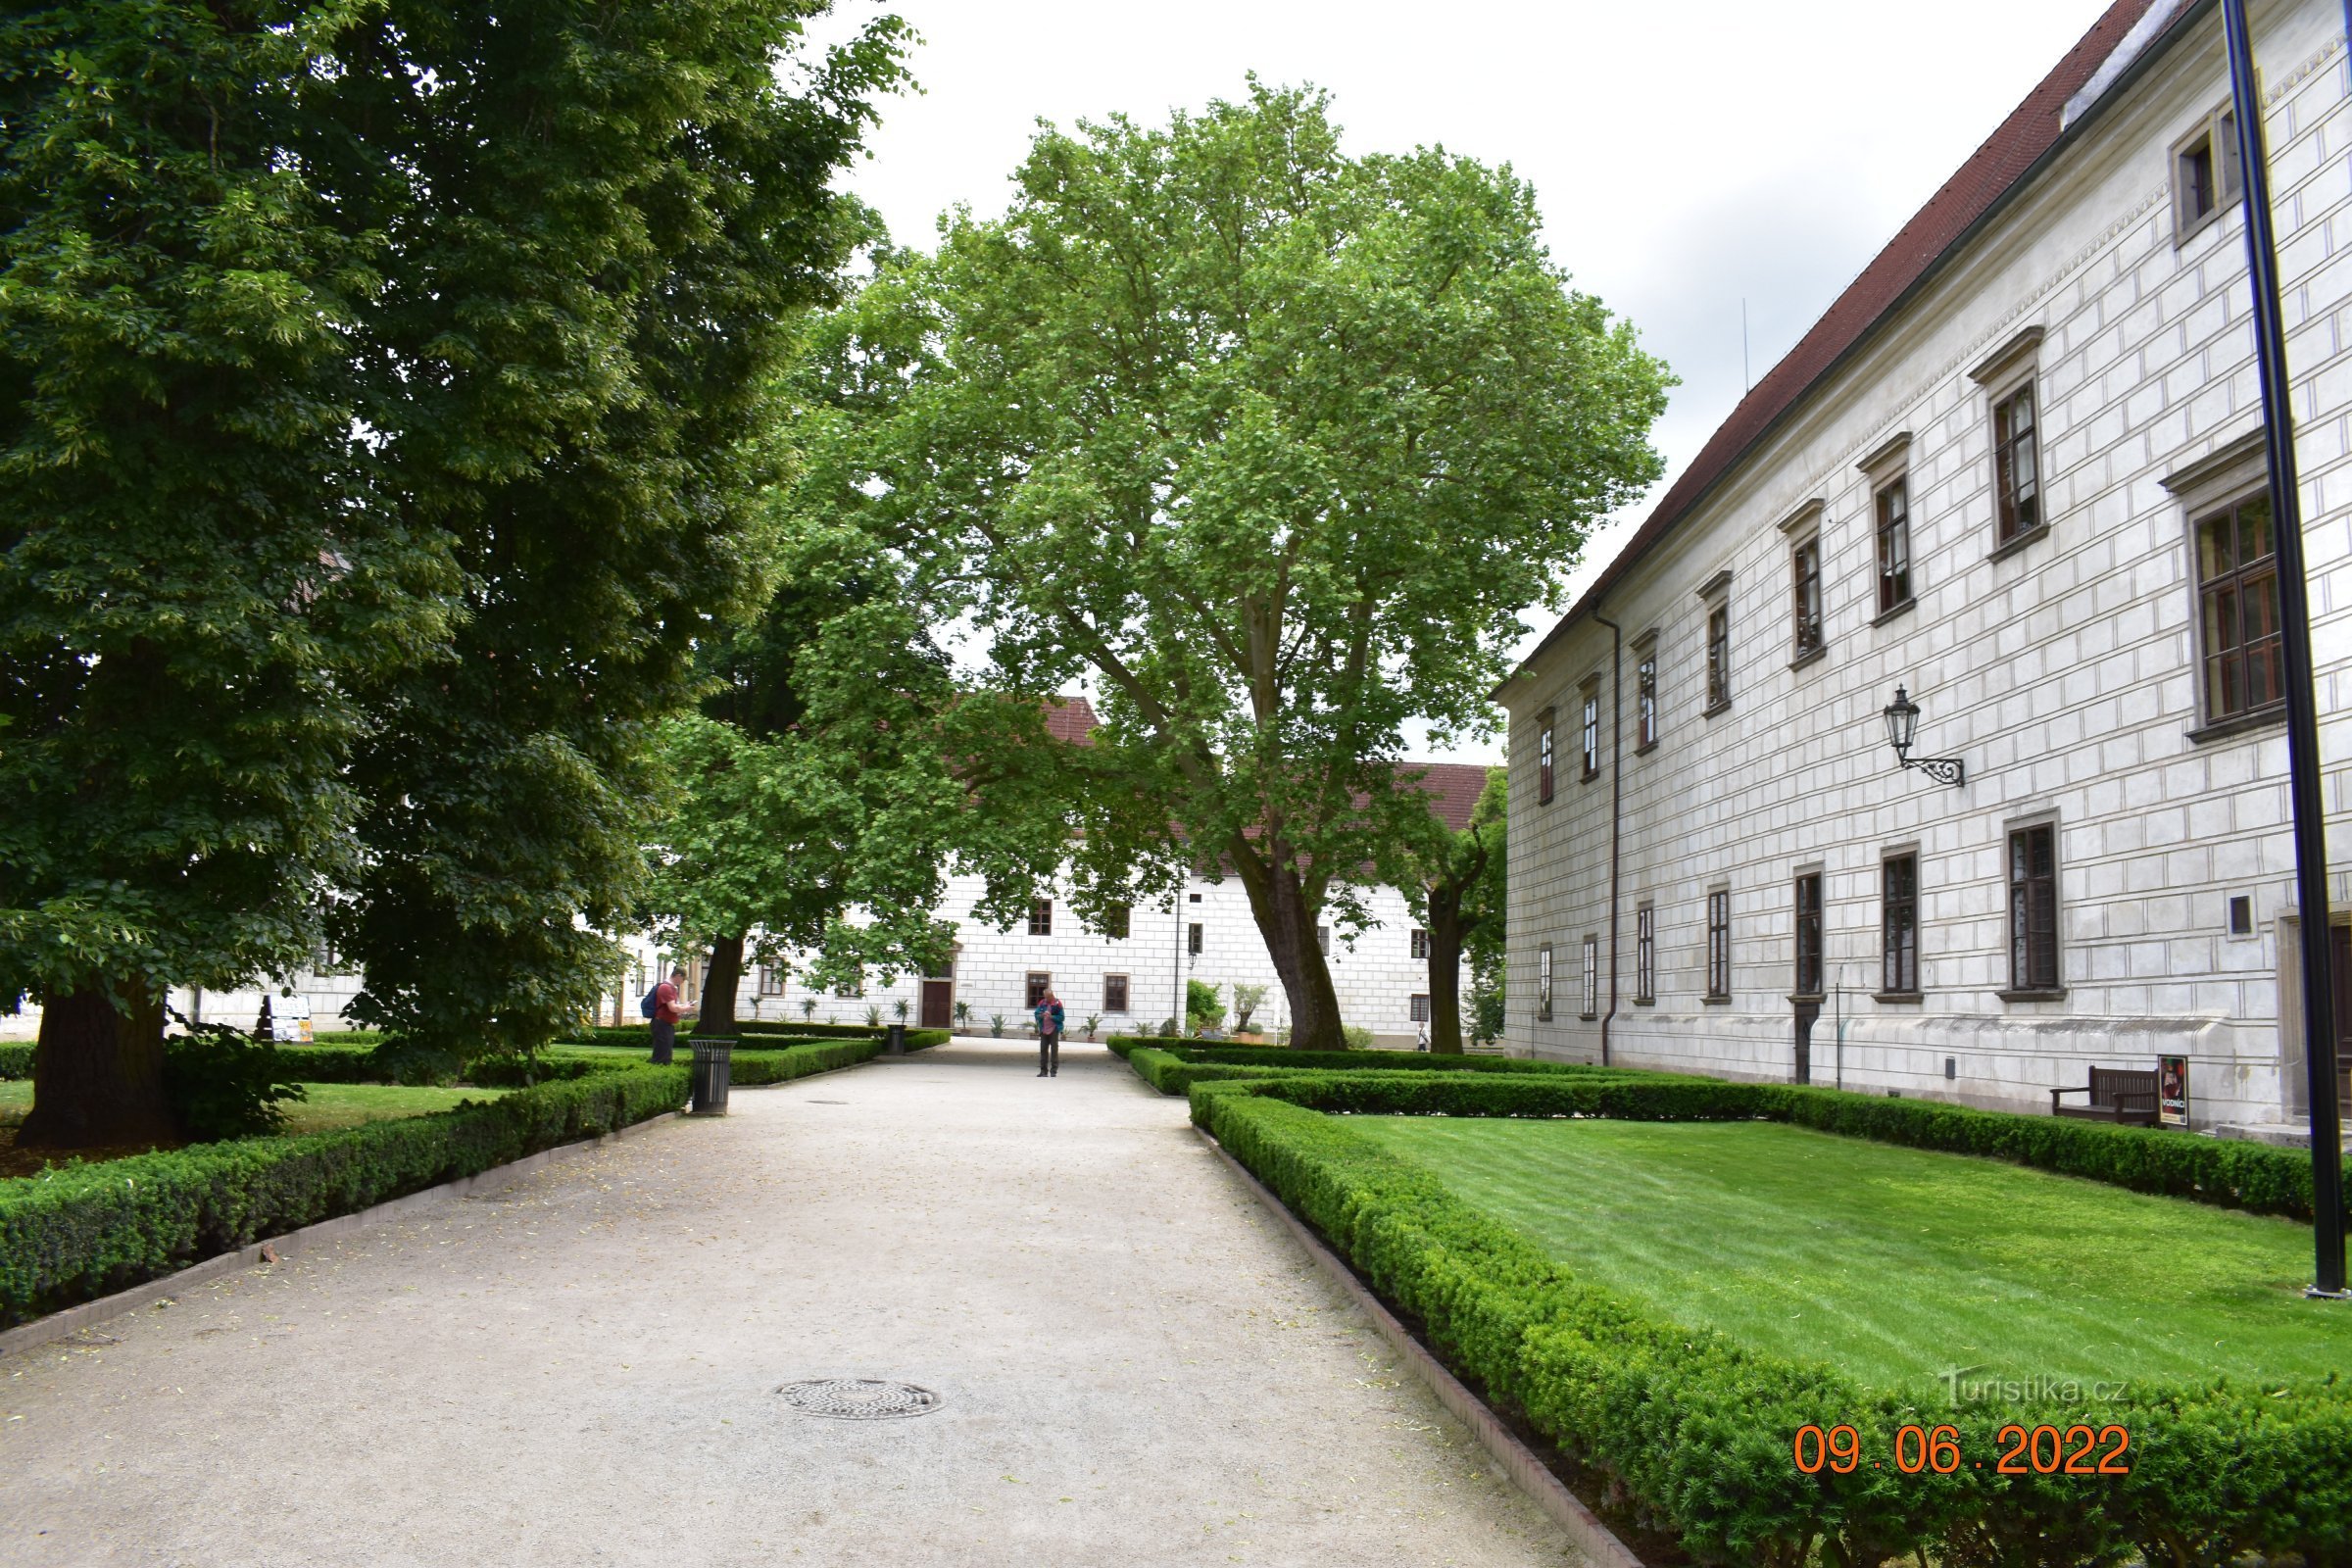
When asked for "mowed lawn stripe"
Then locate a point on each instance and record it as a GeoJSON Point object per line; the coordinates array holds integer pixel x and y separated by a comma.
{"type": "Point", "coordinates": [1895, 1264]}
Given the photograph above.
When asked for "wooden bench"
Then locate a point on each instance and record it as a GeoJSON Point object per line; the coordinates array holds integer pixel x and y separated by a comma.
{"type": "Point", "coordinates": [2124, 1095]}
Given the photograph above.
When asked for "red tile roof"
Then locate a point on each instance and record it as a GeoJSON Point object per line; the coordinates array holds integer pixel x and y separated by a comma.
{"type": "Point", "coordinates": [1072, 719]}
{"type": "Point", "coordinates": [1908, 261]}
{"type": "Point", "coordinates": [1452, 787]}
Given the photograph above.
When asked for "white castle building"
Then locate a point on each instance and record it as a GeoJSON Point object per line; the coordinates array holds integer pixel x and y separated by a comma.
{"type": "Point", "coordinates": [1127, 984]}
{"type": "Point", "coordinates": [2016, 469]}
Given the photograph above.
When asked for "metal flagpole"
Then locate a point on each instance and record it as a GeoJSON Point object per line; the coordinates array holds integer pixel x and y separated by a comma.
{"type": "Point", "coordinates": [2294, 638]}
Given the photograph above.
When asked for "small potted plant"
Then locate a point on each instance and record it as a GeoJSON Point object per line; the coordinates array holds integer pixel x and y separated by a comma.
{"type": "Point", "coordinates": [996, 1025]}
{"type": "Point", "coordinates": [807, 1009]}
{"type": "Point", "coordinates": [963, 1015]}
{"type": "Point", "coordinates": [1246, 999]}
{"type": "Point", "coordinates": [899, 1008]}
{"type": "Point", "coordinates": [1094, 1021]}
{"type": "Point", "coordinates": [873, 1016]}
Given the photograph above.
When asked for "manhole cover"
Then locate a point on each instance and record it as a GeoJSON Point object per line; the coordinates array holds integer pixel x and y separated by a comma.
{"type": "Point", "coordinates": [859, 1399]}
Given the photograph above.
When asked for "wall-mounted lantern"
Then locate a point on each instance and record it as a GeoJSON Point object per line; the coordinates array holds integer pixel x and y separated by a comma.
{"type": "Point", "coordinates": [1902, 724]}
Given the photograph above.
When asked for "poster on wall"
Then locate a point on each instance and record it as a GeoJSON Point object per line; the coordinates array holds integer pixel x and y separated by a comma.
{"type": "Point", "coordinates": [2172, 1090]}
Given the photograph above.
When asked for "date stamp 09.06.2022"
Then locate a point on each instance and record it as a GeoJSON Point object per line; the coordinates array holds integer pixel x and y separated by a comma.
{"type": "Point", "coordinates": [2020, 1450]}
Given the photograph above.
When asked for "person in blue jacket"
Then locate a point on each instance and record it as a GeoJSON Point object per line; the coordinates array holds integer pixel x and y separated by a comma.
{"type": "Point", "coordinates": [1047, 1013]}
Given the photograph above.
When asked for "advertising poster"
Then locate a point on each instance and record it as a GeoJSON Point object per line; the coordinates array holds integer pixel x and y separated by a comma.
{"type": "Point", "coordinates": [2172, 1090]}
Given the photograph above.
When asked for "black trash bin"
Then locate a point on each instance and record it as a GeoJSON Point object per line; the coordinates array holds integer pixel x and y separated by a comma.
{"type": "Point", "coordinates": [707, 1080]}
{"type": "Point", "coordinates": [894, 1040]}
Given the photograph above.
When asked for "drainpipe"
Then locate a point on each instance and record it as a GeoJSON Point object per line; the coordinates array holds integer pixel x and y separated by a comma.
{"type": "Point", "coordinates": [1616, 808]}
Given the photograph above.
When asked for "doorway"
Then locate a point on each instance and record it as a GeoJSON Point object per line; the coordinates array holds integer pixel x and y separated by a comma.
{"type": "Point", "coordinates": [938, 1010]}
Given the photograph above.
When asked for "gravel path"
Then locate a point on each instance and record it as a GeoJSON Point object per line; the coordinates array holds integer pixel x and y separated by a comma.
{"type": "Point", "coordinates": [1136, 1365]}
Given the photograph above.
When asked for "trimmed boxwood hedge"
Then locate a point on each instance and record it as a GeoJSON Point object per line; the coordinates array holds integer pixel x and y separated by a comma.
{"type": "Point", "coordinates": [81, 1230]}
{"type": "Point", "coordinates": [2231, 1173]}
{"type": "Point", "coordinates": [1692, 1431]}
{"type": "Point", "coordinates": [15, 1059]}
{"type": "Point", "coordinates": [1174, 1072]}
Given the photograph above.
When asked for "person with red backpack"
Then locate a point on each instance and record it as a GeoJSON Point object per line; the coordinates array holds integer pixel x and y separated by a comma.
{"type": "Point", "coordinates": [662, 1004]}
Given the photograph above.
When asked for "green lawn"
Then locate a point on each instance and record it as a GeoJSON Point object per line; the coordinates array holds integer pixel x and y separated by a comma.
{"type": "Point", "coordinates": [329, 1105]}
{"type": "Point", "coordinates": [1895, 1264]}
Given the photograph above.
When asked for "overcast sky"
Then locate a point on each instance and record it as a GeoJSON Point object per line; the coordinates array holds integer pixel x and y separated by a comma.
{"type": "Point", "coordinates": [1688, 154]}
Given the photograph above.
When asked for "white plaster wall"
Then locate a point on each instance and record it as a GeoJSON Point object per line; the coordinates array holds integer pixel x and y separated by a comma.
{"type": "Point", "coordinates": [2063, 675]}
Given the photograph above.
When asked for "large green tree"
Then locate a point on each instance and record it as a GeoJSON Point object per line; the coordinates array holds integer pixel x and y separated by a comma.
{"type": "Point", "coordinates": [604, 220]}
{"type": "Point", "coordinates": [196, 571]}
{"type": "Point", "coordinates": [1266, 447]}
{"type": "Point", "coordinates": [1458, 893]}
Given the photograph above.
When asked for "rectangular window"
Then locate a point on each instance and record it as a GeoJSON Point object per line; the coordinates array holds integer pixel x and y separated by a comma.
{"type": "Point", "coordinates": [1544, 983]}
{"type": "Point", "coordinates": [1543, 756]}
{"type": "Point", "coordinates": [852, 987]}
{"type": "Point", "coordinates": [1038, 983]}
{"type": "Point", "coordinates": [1116, 921]}
{"type": "Point", "coordinates": [1805, 576]}
{"type": "Point", "coordinates": [2238, 609]}
{"type": "Point", "coordinates": [1898, 922]}
{"type": "Point", "coordinates": [771, 979]}
{"type": "Point", "coordinates": [1645, 953]}
{"type": "Point", "coordinates": [1590, 736]}
{"type": "Point", "coordinates": [1114, 993]}
{"type": "Point", "coordinates": [1719, 655]}
{"type": "Point", "coordinates": [1041, 918]}
{"type": "Point", "coordinates": [1420, 942]}
{"type": "Point", "coordinates": [1719, 943]}
{"type": "Point", "coordinates": [2034, 909]}
{"type": "Point", "coordinates": [2016, 469]}
{"type": "Point", "coordinates": [1592, 977]}
{"type": "Point", "coordinates": [1894, 545]}
{"type": "Point", "coordinates": [1808, 934]}
{"type": "Point", "coordinates": [1419, 1007]}
{"type": "Point", "coordinates": [1323, 940]}
{"type": "Point", "coordinates": [2205, 174]}
{"type": "Point", "coordinates": [1645, 700]}
{"type": "Point", "coordinates": [1192, 939]}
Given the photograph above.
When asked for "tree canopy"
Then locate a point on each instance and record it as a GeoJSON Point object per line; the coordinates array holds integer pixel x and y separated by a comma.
{"type": "Point", "coordinates": [1263, 446]}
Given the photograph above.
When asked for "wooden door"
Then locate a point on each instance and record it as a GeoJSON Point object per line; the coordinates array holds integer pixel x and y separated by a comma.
{"type": "Point", "coordinates": [939, 1004]}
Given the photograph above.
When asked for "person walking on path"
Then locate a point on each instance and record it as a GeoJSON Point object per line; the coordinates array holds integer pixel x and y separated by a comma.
{"type": "Point", "coordinates": [666, 1012]}
{"type": "Point", "coordinates": [1047, 1013]}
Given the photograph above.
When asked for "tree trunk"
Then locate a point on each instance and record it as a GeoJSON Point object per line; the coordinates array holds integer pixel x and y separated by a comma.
{"type": "Point", "coordinates": [719, 984]}
{"type": "Point", "coordinates": [1278, 902]}
{"type": "Point", "coordinates": [1445, 970]}
{"type": "Point", "coordinates": [98, 1073]}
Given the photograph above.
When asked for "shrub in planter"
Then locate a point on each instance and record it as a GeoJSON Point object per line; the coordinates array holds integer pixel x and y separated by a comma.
{"type": "Point", "coordinates": [1359, 1037]}
{"type": "Point", "coordinates": [15, 1059]}
{"type": "Point", "coordinates": [996, 1025]}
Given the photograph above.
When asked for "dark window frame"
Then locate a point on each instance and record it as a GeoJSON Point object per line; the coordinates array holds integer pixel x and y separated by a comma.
{"type": "Point", "coordinates": [2018, 510]}
{"type": "Point", "coordinates": [1544, 983]}
{"type": "Point", "coordinates": [1041, 918]}
{"type": "Point", "coordinates": [1035, 983]}
{"type": "Point", "coordinates": [1808, 620]}
{"type": "Point", "coordinates": [1420, 942]}
{"type": "Point", "coordinates": [1645, 954]}
{"type": "Point", "coordinates": [1890, 508]}
{"type": "Point", "coordinates": [1192, 939]}
{"type": "Point", "coordinates": [1116, 1001]}
{"type": "Point", "coordinates": [1807, 901]}
{"type": "Point", "coordinates": [2230, 670]}
{"type": "Point", "coordinates": [1416, 1007]}
{"type": "Point", "coordinates": [1547, 755]}
{"type": "Point", "coordinates": [1118, 921]}
{"type": "Point", "coordinates": [1898, 923]}
{"type": "Point", "coordinates": [2206, 174]}
{"type": "Point", "coordinates": [1591, 979]}
{"type": "Point", "coordinates": [1588, 737]}
{"type": "Point", "coordinates": [1719, 943]}
{"type": "Point", "coordinates": [771, 980]}
{"type": "Point", "coordinates": [2031, 870]}
{"type": "Point", "coordinates": [1719, 655]}
{"type": "Point", "coordinates": [1645, 697]}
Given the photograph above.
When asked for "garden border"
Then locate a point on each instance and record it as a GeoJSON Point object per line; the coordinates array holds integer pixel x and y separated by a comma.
{"type": "Point", "coordinates": [69, 1320]}
{"type": "Point", "coordinates": [1528, 1472]}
